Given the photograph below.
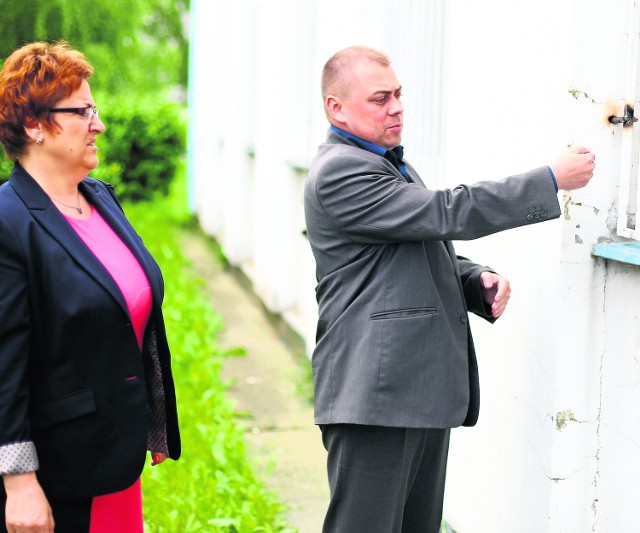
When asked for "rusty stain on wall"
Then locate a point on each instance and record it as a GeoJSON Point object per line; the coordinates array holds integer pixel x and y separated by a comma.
{"type": "Point", "coordinates": [613, 112]}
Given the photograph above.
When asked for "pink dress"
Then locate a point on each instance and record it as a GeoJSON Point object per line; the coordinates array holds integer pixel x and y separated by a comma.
{"type": "Point", "coordinates": [120, 511]}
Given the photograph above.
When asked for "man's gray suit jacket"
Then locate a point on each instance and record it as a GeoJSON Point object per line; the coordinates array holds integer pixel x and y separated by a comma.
{"type": "Point", "coordinates": [394, 346]}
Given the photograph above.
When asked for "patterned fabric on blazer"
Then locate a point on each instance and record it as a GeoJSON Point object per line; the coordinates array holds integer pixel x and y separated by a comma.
{"type": "Point", "coordinates": [394, 346]}
{"type": "Point", "coordinates": [77, 398]}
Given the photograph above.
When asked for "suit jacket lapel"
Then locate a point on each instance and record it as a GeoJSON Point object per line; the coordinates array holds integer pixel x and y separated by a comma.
{"type": "Point", "coordinates": [54, 223]}
{"type": "Point", "coordinates": [100, 198]}
{"type": "Point", "coordinates": [333, 137]}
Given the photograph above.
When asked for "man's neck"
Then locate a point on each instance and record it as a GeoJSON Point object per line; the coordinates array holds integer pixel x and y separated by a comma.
{"type": "Point", "coordinates": [372, 147]}
{"type": "Point", "coordinates": [394, 155]}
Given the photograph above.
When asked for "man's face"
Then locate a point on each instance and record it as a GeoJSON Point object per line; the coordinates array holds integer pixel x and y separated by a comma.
{"type": "Point", "coordinates": [371, 108]}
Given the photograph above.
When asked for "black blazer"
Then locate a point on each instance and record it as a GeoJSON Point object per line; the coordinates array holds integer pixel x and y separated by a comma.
{"type": "Point", "coordinates": [72, 378]}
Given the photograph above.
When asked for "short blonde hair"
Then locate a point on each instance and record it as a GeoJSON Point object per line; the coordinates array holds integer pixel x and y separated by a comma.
{"type": "Point", "coordinates": [333, 80]}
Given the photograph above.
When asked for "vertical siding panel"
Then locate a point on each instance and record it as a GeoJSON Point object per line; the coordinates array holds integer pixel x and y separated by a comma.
{"type": "Point", "coordinates": [236, 76]}
{"type": "Point", "coordinates": [486, 90]}
{"type": "Point", "coordinates": [204, 92]}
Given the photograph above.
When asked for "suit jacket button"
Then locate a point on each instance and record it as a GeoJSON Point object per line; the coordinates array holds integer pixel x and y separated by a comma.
{"type": "Point", "coordinates": [529, 217]}
{"type": "Point", "coordinates": [463, 319]}
{"type": "Point", "coordinates": [543, 214]}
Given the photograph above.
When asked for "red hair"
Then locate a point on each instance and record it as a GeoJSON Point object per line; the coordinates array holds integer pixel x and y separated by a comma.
{"type": "Point", "coordinates": [33, 79]}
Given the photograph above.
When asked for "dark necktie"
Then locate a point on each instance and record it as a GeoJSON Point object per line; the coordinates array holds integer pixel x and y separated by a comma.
{"type": "Point", "coordinates": [395, 157]}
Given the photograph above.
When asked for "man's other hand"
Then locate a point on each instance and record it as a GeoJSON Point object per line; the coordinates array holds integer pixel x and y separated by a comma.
{"type": "Point", "coordinates": [497, 292]}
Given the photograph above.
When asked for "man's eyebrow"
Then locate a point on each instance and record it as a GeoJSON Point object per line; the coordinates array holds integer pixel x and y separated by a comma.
{"type": "Point", "coordinates": [386, 91]}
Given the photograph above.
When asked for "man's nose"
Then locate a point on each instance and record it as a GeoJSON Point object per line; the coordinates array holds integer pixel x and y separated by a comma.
{"type": "Point", "coordinates": [396, 106]}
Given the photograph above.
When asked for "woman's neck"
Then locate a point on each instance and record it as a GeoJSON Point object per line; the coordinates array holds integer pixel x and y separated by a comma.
{"type": "Point", "coordinates": [60, 187]}
{"type": "Point", "coordinates": [55, 181]}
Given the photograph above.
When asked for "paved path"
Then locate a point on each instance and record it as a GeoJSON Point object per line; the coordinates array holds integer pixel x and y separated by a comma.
{"type": "Point", "coordinates": [281, 437]}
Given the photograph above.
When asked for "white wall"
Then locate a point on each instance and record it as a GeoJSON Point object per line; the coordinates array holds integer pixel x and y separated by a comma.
{"type": "Point", "coordinates": [491, 88]}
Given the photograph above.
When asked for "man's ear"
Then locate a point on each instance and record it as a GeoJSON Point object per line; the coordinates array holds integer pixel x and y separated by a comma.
{"type": "Point", "coordinates": [333, 105]}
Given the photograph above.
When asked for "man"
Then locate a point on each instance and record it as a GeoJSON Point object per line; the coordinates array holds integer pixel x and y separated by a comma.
{"type": "Point", "coordinates": [394, 367]}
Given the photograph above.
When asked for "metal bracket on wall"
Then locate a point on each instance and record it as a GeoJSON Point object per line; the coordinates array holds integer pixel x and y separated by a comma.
{"type": "Point", "coordinates": [627, 119]}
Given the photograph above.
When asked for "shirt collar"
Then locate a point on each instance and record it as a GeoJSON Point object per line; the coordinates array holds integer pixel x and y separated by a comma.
{"type": "Point", "coordinates": [394, 155]}
{"type": "Point", "coordinates": [371, 147]}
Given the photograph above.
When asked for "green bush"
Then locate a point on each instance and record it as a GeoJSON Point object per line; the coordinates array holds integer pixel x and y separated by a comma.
{"type": "Point", "coordinates": [141, 147]}
{"type": "Point", "coordinates": [5, 167]}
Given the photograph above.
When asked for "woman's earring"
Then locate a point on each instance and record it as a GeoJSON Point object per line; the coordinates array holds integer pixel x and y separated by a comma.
{"type": "Point", "coordinates": [39, 140]}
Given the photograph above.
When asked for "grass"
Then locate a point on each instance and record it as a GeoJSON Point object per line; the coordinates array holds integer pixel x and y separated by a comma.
{"type": "Point", "coordinates": [212, 488]}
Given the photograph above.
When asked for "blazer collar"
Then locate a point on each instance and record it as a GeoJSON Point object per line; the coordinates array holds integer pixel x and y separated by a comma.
{"type": "Point", "coordinates": [53, 222]}
{"type": "Point", "coordinates": [333, 137]}
{"type": "Point", "coordinates": [100, 198]}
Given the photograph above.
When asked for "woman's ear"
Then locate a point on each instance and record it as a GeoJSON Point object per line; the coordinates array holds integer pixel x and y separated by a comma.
{"type": "Point", "coordinates": [33, 130]}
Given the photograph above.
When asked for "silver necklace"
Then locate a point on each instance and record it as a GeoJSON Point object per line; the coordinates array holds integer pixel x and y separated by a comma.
{"type": "Point", "coordinates": [77, 208]}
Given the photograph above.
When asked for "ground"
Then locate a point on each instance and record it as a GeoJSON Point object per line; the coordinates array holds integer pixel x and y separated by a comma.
{"type": "Point", "coordinates": [282, 440]}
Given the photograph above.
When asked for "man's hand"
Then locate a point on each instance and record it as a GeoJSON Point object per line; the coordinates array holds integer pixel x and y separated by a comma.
{"type": "Point", "coordinates": [27, 510]}
{"type": "Point", "coordinates": [496, 292]}
{"type": "Point", "coordinates": [574, 168]}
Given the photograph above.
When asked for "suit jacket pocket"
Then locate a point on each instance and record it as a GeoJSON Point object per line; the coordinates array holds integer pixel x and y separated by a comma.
{"type": "Point", "coordinates": [68, 407]}
{"type": "Point", "coordinates": [404, 313]}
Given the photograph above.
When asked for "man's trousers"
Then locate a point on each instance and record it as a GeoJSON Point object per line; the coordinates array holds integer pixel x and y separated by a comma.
{"type": "Point", "coordinates": [385, 480]}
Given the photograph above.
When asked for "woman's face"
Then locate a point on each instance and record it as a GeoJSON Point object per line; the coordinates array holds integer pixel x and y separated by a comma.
{"type": "Point", "coordinates": [73, 146]}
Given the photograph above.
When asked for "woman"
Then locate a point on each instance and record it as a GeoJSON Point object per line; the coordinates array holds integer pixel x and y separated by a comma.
{"type": "Point", "coordinates": [85, 376]}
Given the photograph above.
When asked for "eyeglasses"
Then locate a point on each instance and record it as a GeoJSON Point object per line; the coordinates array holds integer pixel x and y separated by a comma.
{"type": "Point", "coordinates": [86, 113]}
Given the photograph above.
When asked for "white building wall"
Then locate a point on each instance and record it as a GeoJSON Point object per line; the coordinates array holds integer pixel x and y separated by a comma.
{"type": "Point", "coordinates": [491, 88]}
